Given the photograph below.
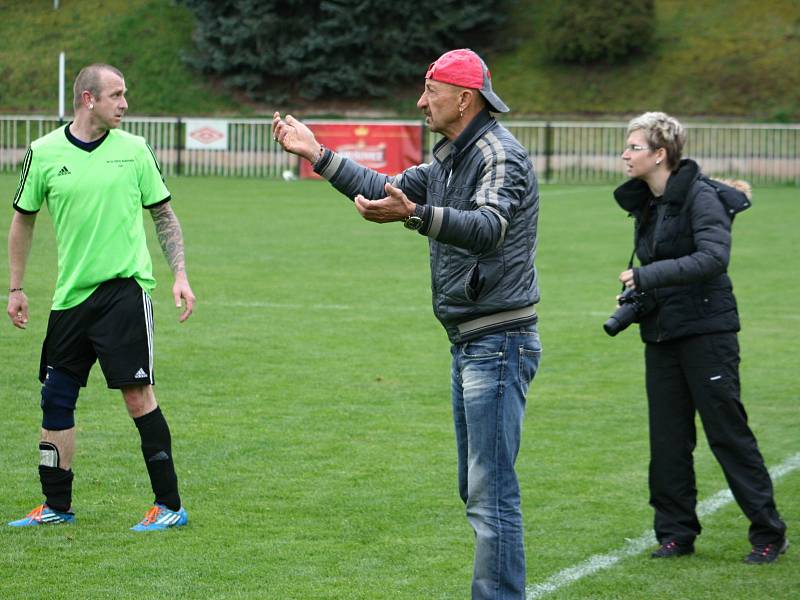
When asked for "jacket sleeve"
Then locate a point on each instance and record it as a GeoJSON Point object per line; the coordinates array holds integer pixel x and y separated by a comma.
{"type": "Point", "coordinates": [711, 230]}
{"type": "Point", "coordinates": [351, 179]}
{"type": "Point", "coordinates": [502, 189]}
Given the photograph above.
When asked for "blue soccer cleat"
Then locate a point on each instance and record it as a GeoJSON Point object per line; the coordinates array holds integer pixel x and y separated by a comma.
{"type": "Point", "coordinates": [44, 515]}
{"type": "Point", "coordinates": [160, 517]}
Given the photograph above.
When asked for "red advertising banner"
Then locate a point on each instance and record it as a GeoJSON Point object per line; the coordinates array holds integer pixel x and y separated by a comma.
{"type": "Point", "coordinates": [386, 146]}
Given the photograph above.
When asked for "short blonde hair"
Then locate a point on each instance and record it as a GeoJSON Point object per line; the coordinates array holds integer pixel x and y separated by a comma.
{"type": "Point", "coordinates": [89, 80]}
{"type": "Point", "coordinates": [661, 131]}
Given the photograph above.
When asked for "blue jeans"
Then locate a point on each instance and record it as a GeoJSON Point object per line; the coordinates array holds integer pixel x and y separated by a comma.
{"type": "Point", "coordinates": [490, 377]}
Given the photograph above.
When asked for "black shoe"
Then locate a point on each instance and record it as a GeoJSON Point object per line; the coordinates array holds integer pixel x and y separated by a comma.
{"type": "Point", "coordinates": [672, 549]}
{"type": "Point", "coordinates": [766, 553]}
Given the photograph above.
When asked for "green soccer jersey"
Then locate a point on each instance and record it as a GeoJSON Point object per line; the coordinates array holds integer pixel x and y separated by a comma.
{"type": "Point", "coordinates": [95, 199]}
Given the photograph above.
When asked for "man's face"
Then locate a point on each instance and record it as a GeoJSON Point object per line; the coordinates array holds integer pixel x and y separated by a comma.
{"type": "Point", "coordinates": [111, 105]}
{"type": "Point", "coordinates": [439, 104]}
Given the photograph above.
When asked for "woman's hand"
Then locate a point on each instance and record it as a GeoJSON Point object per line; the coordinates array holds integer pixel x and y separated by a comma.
{"type": "Point", "coordinates": [626, 277]}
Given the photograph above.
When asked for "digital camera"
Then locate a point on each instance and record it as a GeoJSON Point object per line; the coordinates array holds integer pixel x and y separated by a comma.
{"type": "Point", "coordinates": [633, 305]}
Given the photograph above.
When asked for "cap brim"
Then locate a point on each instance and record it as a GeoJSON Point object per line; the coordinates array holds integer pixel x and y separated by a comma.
{"type": "Point", "coordinates": [495, 104]}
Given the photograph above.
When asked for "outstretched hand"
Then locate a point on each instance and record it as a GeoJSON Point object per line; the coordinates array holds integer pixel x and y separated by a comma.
{"type": "Point", "coordinates": [295, 137]}
{"type": "Point", "coordinates": [394, 207]}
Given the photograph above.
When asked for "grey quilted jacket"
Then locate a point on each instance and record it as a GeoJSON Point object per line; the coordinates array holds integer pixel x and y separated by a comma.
{"type": "Point", "coordinates": [481, 205]}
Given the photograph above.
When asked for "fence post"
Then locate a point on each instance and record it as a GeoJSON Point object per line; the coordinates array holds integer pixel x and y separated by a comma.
{"type": "Point", "coordinates": [548, 151]}
{"type": "Point", "coordinates": [178, 147]}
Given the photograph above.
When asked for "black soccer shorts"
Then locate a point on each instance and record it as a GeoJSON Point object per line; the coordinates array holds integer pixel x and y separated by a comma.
{"type": "Point", "coordinates": [114, 325]}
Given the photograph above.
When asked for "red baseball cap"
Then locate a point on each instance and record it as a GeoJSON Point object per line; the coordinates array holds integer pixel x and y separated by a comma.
{"type": "Point", "coordinates": [466, 69]}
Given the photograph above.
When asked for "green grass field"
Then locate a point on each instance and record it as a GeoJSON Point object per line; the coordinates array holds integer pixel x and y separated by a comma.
{"type": "Point", "coordinates": [308, 398]}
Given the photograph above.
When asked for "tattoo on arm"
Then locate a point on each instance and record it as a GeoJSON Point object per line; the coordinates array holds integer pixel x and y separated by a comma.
{"type": "Point", "coordinates": [168, 230]}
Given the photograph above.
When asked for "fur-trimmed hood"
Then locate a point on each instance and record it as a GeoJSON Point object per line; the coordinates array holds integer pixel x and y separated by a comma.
{"type": "Point", "coordinates": [737, 184]}
{"type": "Point", "coordinates": [633, 195]}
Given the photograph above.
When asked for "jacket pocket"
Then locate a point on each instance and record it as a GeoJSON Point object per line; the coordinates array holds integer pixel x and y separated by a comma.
{"type": "Point", "coordinates": [473, 284]}
{"type": "Point", "coordinates": [470, 278]}
{"type": "Point", "coordinates": [714, 301]}
{"type": "Point", "coordinates": [481, 277]}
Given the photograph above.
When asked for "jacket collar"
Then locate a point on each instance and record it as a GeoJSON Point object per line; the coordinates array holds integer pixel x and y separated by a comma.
{"type": "Point", "coordinates": [474, 129]}
{"type": "Point", "coordinates": [633, 195]}
{"type": "Point", "coordinates": [680, 181]}
{"type": "Point", "coordinates": [447, 149]}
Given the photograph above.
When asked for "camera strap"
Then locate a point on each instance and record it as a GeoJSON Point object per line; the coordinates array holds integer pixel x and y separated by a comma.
{"type": "Point", "coordinates": [630, 266]}
{"type": "Point", "coordinates": [641, 223]}
{"type": "Point", "coordinates": [630, 262]}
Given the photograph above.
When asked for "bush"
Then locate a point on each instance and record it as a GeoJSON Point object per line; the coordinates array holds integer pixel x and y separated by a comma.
{"type": "Point", "coordinates": [347, 48]}
{"type": "Point", "coordinates": [585, 31]}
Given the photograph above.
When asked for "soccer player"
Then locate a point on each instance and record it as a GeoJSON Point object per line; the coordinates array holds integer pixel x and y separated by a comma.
{"type": "Point", "coordinates": [95, 180]}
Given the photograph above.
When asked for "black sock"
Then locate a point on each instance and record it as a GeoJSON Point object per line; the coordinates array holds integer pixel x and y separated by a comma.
{"type": "Point", "coordinates": [56, 487]}
{"type": "Point", "coordinates": [157, 452]}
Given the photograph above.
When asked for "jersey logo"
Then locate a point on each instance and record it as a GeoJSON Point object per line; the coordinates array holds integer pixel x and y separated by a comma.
{"type": "Point", "coordinates": [140, 374]}
{"type": "Point", "coordinates": [64, 171]}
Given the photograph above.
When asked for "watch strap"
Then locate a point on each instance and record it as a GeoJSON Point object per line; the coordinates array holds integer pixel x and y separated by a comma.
{"type": "Point", "coordinates": [416, 221]}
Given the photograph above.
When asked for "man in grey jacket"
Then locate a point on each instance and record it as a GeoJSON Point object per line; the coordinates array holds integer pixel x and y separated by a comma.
{"type": "Point", "coordinates": [477, 202]}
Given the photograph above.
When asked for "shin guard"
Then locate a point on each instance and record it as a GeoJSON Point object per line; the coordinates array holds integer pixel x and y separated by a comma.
{"type": "Point", "coordinates": [157, 453]}
{"type": "Point", "coordinates": [56, 482]}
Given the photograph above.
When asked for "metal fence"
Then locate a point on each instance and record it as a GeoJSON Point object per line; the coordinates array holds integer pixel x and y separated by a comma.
{"type": "Point", "coordinates": [251, 150]}
{"type": "Point", "coordinates": [562, 151]}
{"type": "Point", "coordinates": [589, 152]}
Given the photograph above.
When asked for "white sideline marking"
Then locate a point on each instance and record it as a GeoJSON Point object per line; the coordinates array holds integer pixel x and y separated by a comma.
{"type": "Point", "coordinates": [637, 546]}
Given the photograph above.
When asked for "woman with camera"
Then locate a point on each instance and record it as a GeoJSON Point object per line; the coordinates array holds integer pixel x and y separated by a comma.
{"type": "Point", "coordinates": [688, 321]}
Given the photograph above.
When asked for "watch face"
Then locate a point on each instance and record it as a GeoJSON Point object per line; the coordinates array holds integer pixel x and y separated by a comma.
{"type": "Point", "coordinates": [413, 223]}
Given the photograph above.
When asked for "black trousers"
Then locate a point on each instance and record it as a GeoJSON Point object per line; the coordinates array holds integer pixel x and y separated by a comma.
{"type": "Point", "coordinates": [701, 373]}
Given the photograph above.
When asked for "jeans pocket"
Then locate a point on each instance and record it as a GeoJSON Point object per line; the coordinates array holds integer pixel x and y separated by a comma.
{"type": "Point", "coordinates": [528, 363]}
{"type": "Point", "coordinates": [488, 346]}
{"type": "Point", "coordinates": [530, 354]}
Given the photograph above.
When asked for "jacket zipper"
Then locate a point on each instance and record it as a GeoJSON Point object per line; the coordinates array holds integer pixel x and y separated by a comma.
{"type": "Point", "coordinates": [661, 211]}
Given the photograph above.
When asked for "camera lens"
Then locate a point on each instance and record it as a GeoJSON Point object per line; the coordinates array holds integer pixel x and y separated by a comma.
{"type": "Point", "coordinates": [622, 318]}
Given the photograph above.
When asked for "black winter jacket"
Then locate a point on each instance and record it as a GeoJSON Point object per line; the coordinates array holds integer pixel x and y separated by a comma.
{"type": "Point", "coordinates": [683, 242]}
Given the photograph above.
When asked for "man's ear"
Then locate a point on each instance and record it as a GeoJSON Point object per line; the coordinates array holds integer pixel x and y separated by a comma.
{"type": "Point", "coordinates": [88, 99]}
{"type": "Point", "coordinates": [467, 98]}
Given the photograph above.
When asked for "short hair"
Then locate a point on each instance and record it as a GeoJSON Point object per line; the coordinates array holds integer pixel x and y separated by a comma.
{"type": "Point", "coordinates": [661, 131]}
{"type": "Point", "coordinates": [89, 80]}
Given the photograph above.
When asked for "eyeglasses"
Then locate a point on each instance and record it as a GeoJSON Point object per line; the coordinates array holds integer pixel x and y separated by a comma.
{"type": "Point", "coordinates": [636, 148]}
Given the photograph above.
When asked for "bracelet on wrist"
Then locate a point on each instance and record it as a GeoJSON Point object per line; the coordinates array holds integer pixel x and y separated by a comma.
{"type": "Point", "coordinates": [12, 290]}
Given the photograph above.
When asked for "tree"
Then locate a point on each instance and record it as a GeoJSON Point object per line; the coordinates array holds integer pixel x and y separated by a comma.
{"type": "Point", "coordinates": [585, 31]}
{"type": "Point", "coordinates": [347, 48]}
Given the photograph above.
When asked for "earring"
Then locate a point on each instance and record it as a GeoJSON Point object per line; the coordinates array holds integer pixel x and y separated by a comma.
{"type": "Point", "coordinates": [91, 106]}
{"type": "Point", "coordinates": [460, 113]}
{"type": "Point", "coordinates": [658, 162]}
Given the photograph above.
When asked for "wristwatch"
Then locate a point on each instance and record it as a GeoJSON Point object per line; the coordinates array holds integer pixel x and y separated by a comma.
{"type": "Point", "coordinates": [414, 222]}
